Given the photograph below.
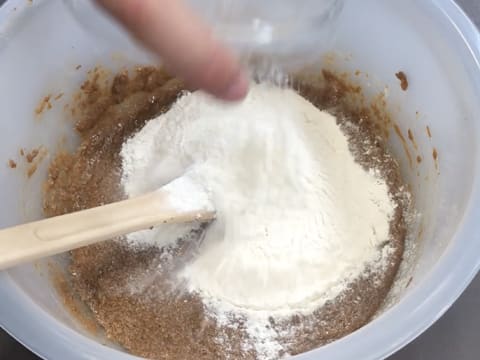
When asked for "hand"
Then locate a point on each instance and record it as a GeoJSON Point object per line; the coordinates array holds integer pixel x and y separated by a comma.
{"type": "Point", "coordinates": [185, 43]}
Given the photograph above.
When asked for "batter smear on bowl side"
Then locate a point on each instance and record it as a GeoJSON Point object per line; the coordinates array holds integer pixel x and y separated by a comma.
{"type": "Point", "coordinates": [310, 228]}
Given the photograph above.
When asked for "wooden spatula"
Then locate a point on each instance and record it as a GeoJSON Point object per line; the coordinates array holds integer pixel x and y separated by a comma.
{"type": "Point", "coordinates": [54, 235]}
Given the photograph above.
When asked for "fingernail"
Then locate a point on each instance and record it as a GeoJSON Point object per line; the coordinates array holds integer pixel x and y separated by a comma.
{"type": "Point", "coordinates": [238, 89]}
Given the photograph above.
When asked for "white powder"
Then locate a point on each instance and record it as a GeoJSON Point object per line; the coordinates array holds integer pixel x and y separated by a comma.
{"type": "Point", "coordinates": [297, 218]}
{"type": "Point", "coordinates": [186, 195]}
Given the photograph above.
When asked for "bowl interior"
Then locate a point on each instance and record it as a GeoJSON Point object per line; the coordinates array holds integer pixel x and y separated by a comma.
{"type": "Point", "coordinates": [42, 44]}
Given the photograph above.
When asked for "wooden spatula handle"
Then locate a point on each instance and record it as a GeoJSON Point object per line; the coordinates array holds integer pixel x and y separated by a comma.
{"type": "Point", "coordinates": [51, 236]}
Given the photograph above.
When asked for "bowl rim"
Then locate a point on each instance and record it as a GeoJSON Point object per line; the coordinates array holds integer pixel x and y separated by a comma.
{"type": "Point", "coordinates": [417, 311]}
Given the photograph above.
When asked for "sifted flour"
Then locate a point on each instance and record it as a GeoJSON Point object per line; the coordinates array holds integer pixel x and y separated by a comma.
{"type": "Point", "coordinates": [298, 219]}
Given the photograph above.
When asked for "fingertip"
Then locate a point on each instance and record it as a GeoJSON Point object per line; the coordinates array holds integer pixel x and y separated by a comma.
{"type": "Point", "coordinates": [237, 89]}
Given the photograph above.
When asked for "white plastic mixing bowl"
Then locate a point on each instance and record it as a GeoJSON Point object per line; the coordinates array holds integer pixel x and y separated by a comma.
{"type": "Point", "coordinates": [432, 41]}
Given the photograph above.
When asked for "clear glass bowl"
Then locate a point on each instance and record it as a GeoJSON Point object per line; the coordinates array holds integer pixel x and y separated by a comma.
{"type": "Point", "coordinates": [288, 31]}
{"type": "Point", "coordinates": [282, 28]}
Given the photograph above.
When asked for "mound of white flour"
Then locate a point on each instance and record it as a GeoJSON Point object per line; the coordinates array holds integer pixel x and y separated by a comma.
{"type": "Point", "coordinates": [297, 218]}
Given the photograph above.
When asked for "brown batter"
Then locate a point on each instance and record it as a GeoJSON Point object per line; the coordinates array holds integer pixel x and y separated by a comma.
{"type": "Point", "coordinates": [403, 80]}
{"type": "Point", "coordinates": [129, 291]}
